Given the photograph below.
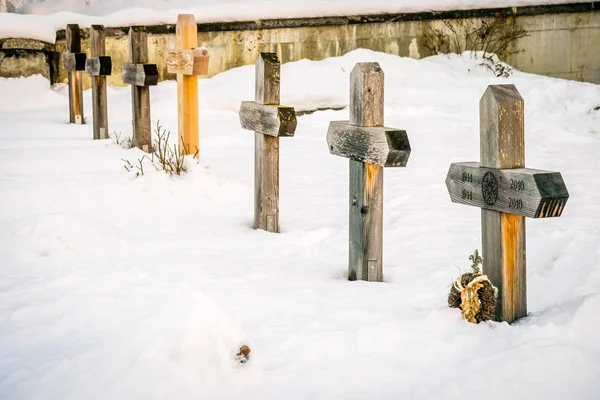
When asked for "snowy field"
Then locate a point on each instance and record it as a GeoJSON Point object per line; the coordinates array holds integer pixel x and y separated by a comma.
{"type": "Point", "coordinates": [116, 287]}
{"type": "Point", "coordinates": [37, 24]}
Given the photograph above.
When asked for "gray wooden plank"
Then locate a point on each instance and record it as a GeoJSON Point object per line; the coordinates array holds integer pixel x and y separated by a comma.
{"type": "Point", "coordinates": [98, 66]}
{"type": "Point", "coordinates": [386, 147]}
{"type": "Point", "coordinates": [73, 38]}
{"type": "Point", "coordinates": [266, 183]}
{"type": "Point", "coordinates": [99, 95]}
{"type": "Point", "coordinates": [365, 256]}
{"type": "Point", "coordinates": [502, 139]}
{"type": "Point", "coordinates": [271, 120]}
{"type": "Point", "coordinates": [267, 82]}
{"type": "Point", "coordinates": [140, 74]}
{"type": "Point", "coordinates": [527, 192]}
{"type": "Point", "coordinates": [366, 95]}
{"type": "Point", "coordinates": [140, 95]}
{"type": "Point", "coordinates": [74, 61]}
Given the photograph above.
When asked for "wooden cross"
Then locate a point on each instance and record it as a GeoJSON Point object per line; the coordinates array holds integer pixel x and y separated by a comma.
{"type": "Point", "coordinates": [370, 147]}
{"type": "Point", "coordinates": [98, 67]}
{"type": "Point", "coordinates": [269, 121]}
{"type": "Point", "coordinates": [188, 62]}
{"type": "Point", "coordinates": [140, 75]}
{"type": "Point", "coordinates": [506, 192]}
{"type": "Point", "coordinates": [74, 62]}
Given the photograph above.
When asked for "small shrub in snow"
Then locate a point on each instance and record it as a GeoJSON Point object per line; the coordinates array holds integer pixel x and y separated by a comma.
{"type": "Point", "coordinates": [119, 140]}
{"type": "Point", "coordinates": [163, 157]}
{"type": "Point", "coordinates": [489, 38]}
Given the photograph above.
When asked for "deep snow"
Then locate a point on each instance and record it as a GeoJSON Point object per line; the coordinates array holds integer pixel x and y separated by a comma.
{"type": "Point", "coordinates": [115, 287]}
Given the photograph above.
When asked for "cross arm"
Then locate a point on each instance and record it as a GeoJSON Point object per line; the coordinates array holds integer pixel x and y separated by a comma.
{"type": "Point", "coordinates": [98, 66]}
{"type": "Point", "coordinates": [271, 120]}
{"type": "Point", "coordinates": [386, 147]}
{"type": "Point", "coordinates": [74, 61]}
{"type": "Point", "coordinates": [527, 192]}
{"type": "Point", "coordinates": [140, 74]}
{"type": "Point", "coordinates": [188, 62]}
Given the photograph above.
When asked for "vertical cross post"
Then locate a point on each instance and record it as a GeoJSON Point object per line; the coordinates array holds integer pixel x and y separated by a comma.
{"type": "Point", "coordinates": [74, 63]}
{"type": "Point", "coordinates": [506, 192]}
{"type": "Point", "coordinates": [370, 147]}
{"type": "Point", "coordinates": [98, 67]}
{"type": "Point", "coordinates": [187, 62]}
{"type": "Point", "coordinates": [269, 121]}
{"type": "Point", "coordinates": [502, 145]}
{"type": "Point", "coordinates": [140, 75]}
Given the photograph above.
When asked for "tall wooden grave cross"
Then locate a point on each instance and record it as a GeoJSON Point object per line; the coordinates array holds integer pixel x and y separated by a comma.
{"type": "Point", "coordinates": [98, 67]}
{"type": "Point", "coordinates": [74, 62]}
{"type": "Point", "coordinates": [187, 61]}
{"type": "Point", "coordinates": [140, 75]}
{"type": "Point", "coordinates": [370, 147]}
{"type": "Point", "coordinates": [269, 121]}
{"type": "Point", "coordinates": [506, 192]}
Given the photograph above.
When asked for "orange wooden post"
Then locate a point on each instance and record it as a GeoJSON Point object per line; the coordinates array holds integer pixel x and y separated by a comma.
{"type": "Point", "coordinates": [74, 62]}
{"type": "Point", "coordinates": [187, 62]}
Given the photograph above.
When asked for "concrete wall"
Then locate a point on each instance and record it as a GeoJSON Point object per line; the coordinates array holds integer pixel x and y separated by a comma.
{"type": "Point", "coordinates": [563, 41]}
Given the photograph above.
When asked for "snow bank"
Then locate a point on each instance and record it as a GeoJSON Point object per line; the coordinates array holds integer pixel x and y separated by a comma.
{"type": "Point", "coordinates": [115, 287]}
{"type": "Point", "coordinates": [51, 16]}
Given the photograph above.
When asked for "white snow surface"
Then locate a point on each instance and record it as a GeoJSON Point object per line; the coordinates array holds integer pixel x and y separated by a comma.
{"type": "Point", "coordinates": [116, 287]}
{"type": "Point", "coordinates": [41, 19]}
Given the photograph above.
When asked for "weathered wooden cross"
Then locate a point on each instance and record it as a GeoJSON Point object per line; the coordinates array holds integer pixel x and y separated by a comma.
{"type": "Point", "coordinates": [140, 75]}
{"type": "Point", "coordinates": [98, 67]}
{"type": "Point", "coordinates": [269, 121]}
{"type": "Point", "coordinates": [507, 192]}
{"type": "Point", "coordinates": [74, 62]}
{"type": "Point", "coordinates": [370, 147]}
{"type": "Point", "coordinates": [187, 61]}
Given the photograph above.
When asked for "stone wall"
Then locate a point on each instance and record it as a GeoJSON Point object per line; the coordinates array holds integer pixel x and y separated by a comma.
{"type": "Point", "coordinates": [563, 41]}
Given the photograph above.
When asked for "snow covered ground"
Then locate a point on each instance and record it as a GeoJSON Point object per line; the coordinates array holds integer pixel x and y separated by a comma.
{"type": "Point", "coordinates": [116, 287]}
{"type": "Point", "coordinates": [42, 26]}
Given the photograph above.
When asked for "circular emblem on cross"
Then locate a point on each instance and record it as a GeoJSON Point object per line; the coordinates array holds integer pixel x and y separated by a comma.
{"type": "Point", "coordinates": [489, 189]}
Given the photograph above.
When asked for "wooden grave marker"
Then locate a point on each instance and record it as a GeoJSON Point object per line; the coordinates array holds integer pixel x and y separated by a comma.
{"type": "Point", "coordinates": [187, 61]}
{"type": "Point", "coordinates": [370, 147]}
{"type": "Point", "coordinates": [98, 67]}
{"type": "Point", "coordinates": [506, 192]}
{"type": "Point", "coordinates": [140, 75]}
{"type": "Point", "coordinates": [73, 61]}
{"type": "Point", "coordinates": [269, 121]}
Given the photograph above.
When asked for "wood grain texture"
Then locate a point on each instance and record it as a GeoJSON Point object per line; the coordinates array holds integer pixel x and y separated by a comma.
{"type": "Point", "coordinates": [75, 85]}
{"type": "Point", "coordinates": [365, 146]}
{"type": "Point", "coordinates": [74, 61]}
{"type": "Point", "coordinates": [386, 147]}
{"type": "Point", "coordinates": [73, 38]}
{"type": "Point", "coordinates": [502, 139]}
{"type": "Point", "coordinates": [187, 89]}
{"type": "Point", "coordinates": [188, 62]}
{"type": "Point", "coordinates": [267, 83]}
{"type": "Point", "coordinates": [140, 95]}
{"type": "Point", "coordinates": [99, 96]}
{"type": "Point", "coordinates": [98, 66]}
{"type": "Point", "coordinates": [366, 95]}
{"type": "Point", "coordinates": [271, 120]}
{"type": "Point", "coordinates": [140, 74]}
{"type": "Point", "coordinates": [365, 260]}
{"type": "Point", "coordinates": [266, 183]}
{"type": "Point", "coordinates": [527, 192]}
{"type": "Point", "coordinates": [75, 79]}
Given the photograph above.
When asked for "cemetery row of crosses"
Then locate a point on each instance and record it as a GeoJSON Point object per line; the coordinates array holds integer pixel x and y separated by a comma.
{"type": "Point", "coordinates": [499, 184]}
